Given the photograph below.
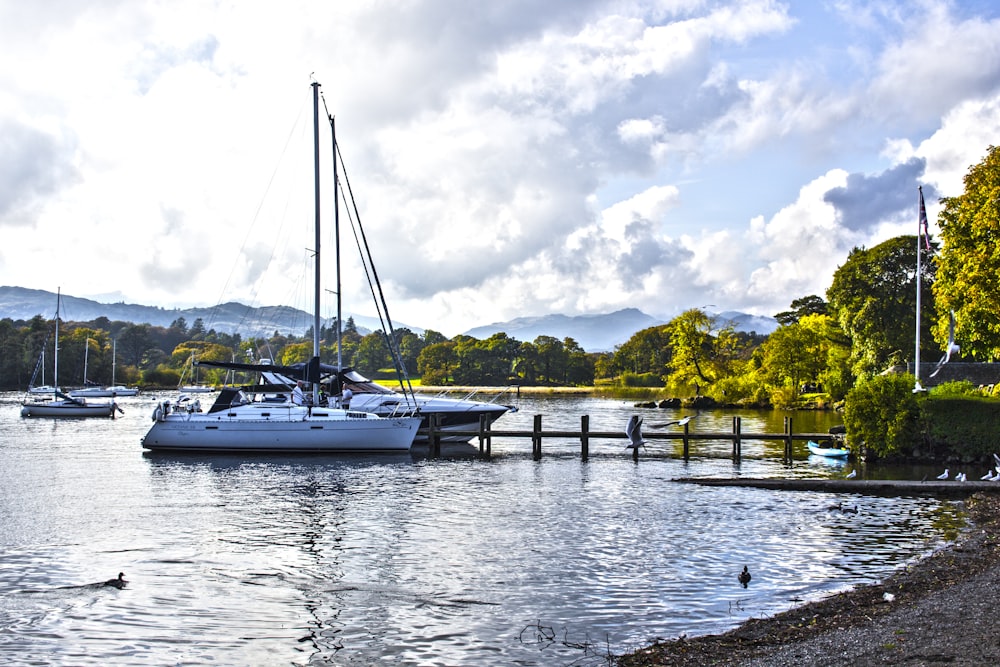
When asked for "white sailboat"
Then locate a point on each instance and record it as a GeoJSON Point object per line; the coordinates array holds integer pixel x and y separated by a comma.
{"type": "Point", "coordinates": [196, 387]}
{"type": "Point", "coordinates": [63, 405]}
{"type": "Point", "coordinates": [269, 420]}
{"type": "Point", "coordinates": [42, 388]}
{"type": "Point", "coordinates": [110, 391]}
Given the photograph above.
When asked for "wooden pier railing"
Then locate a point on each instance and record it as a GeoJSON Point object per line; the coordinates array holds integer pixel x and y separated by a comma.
{"type": "Point", "coordinates": [485, 434]}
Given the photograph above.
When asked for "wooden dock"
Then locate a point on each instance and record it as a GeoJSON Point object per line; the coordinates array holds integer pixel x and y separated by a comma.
{"type": "Point", "coordinates": [537, 435]}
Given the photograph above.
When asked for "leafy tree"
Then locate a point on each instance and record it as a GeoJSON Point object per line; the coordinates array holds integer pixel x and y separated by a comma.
{"type": "Point", "coordinates": [796, 354]}
{"type": "Point", "coordinates": [873, 297]}
{"type": "Point", "coordinates": [526, 366]}
{"type": "Point", "coordinates": [437, 362]}
{"type": "Point", "coordinates": [134, 343]}
{"type": "Point", "coordinates": [552, 358]}
{"type": "Point", "coordinates": [807, 305]}
{"type": "Point", "coordinates": [197, 329]}
{"type": "Point", "coordinates": [699, 356]}
{"type": "Point", "coordinates": [579, 364]}
{"type": "Point", "coordinates": [970, 263]}
{"type": "Point", "coordinates": [431, 337]}
{"type": "Point", "coordinates": [647, 351]}
{"type": "Point", "coordinates": [373, 353]}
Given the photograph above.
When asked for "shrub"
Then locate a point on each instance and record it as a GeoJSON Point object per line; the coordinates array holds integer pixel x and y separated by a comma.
{"type": "Point", "coordinates": [629, 379]}
{"type": "Point", "coordinates": [883, 415]}
{"type": "Point", "coordinates": [962, 425]}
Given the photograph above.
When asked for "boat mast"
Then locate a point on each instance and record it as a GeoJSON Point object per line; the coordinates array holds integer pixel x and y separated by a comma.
{"type": "Point", "coordinates": [916, 353]}
{"type": "Point", "coordinates": [336, 240]}
{"type": "Point", "coordinates": [55, 351]}
{"type": "Point", "coordinates": [316, 286]}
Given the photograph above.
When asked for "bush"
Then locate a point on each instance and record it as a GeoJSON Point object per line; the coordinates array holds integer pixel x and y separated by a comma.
{"type": "Point", "coordinates": [883, 415]}
{"type": "Point", "coordinates": [641, 380]}
{"type": "Point", "coordinates": [954, 388]}
{"type": "Point", "coordinates": [963, 426]}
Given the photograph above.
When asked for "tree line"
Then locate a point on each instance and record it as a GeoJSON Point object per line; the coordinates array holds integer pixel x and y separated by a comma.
{"type": "Point", "coordinates": [864, 324]}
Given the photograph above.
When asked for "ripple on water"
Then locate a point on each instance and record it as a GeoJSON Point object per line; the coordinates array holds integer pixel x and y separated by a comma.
{"type": "Point", "coordinates": [362, 560]}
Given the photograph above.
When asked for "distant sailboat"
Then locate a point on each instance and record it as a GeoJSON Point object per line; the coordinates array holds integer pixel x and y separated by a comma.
{"type": "Point", "coordinates": [63, 405]}
{"type": "Point", "coordinates": [110, 391]}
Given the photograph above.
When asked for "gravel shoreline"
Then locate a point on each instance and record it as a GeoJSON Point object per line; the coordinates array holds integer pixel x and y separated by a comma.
{"type": "Point", "coordinates": [941, 610]}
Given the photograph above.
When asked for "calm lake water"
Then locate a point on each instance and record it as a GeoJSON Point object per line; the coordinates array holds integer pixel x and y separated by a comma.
{"type": "Point", "coordinates": [404, 560]}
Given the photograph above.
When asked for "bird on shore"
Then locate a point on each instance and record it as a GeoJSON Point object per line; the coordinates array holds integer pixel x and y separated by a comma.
{"type": "Point", "coordinates": [943, 475]}
{"type": "Point", "coordinates": [852, 474]}
{"type": "Point", "coordinates": [118, 583]}
{"type": "Point", "coordinates": [960, 477]}
{"type": "Point", "coordinates": [634, 433]}
{"type": "Point", "coordinates": [988, 476]}
{"type": "Point", "coordinates": [744, 576]}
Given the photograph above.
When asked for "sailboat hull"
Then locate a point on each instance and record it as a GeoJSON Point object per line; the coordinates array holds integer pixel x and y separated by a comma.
{"type": "Point", "coordinates": [279, 429]}
{"type": "Point", "coordinates": [103, 392]}
{"type": "Point", "coordinates": [67, 409]}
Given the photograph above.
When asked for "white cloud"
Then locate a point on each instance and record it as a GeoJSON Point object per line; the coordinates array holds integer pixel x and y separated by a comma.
{"type": "Point", "coordinates": [580, 157]}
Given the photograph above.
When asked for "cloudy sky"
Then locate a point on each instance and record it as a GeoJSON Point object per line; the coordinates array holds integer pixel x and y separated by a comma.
{"type": "Point", "coordinates": [509, 158]}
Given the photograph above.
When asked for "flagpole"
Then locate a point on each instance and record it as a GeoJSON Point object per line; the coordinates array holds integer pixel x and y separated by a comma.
{"type": "Point", "coordinates": [916, 354]}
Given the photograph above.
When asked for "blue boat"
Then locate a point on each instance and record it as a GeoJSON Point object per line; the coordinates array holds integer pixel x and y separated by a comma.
{"type": "Point", "coordinates": [832, 452]}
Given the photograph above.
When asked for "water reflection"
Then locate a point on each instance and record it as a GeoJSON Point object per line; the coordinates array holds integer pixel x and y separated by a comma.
{"type": "Point", "coordinates": [409, 560]}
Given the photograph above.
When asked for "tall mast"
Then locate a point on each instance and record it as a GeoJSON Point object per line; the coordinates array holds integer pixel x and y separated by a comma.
{"type": "Point", "coordinates": [336, 240]}
{"type": "Point", "coordinates": [55, 362]}
{"type": "Point", "coordinates": [316, 286]}
{"type": "Point", "coordinates": [920, 218]}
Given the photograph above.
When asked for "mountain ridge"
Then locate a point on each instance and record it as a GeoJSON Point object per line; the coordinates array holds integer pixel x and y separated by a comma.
{"type": "Point", "coordinates": [594, 333]}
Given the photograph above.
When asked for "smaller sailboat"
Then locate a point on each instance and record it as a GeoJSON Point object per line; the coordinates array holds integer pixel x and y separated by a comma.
{"type": "Point", "coordinates": [196, 387]}
{"type": "Point", "coordinates": [40, 366]}
{"type": "Point", "coordinates": [104, 392]}
{"type": "Point", "coordinates": [64, 405]}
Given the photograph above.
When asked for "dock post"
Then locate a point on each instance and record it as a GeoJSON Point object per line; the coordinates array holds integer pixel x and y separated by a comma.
{"type": "Point", "coordinates": [435, 435]}
{"type": "Point", "coordinates": [584, 437]}
{"type": "Point", "coordinates": [737, 439]}
{"type": "Point", "coordinates": [484, 431]}
{"type": "Point", "coordinates": [788, 440]}
{"type": "Point", "coordinates": [687, 444]}
{"type": "Point", "coordinates": [536, 439]}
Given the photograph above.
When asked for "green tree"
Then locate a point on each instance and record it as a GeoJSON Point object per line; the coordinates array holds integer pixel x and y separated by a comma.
{"type": "Point", "coordinates": [873, 297]}
{"type": "Point", "coordinates": [970, 261]}
{"type": "Point", "coordinates": [647, 351]}
{"type": "Point", "coordinates": [373, 353]}
{"type": "Point", "coordinates": [797, 353]}
{"type": "Point", "coordinates": [134, 343]}
{"type": "Point", "coordinates": [807, 305]}
{"type": "Point", "coordinates": [436, 363]}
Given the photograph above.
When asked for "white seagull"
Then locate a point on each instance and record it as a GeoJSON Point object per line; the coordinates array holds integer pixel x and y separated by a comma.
{"type": "Point", "coordinates": [952, 348]}
{"type": "Point", "coordinates": [634, 433]}
{"type": "Point", "coordinates": [852, 474]}
{"type": "Point", "coordinates": [960, 477]}
{"type": "Point", "coordinates": [996, 458]}
{"type": "Point", "coordinates": [943, 475]}
{"type": "Point", "coordinates": [680, 422]}
{"type": "Point", "coordinates": [988, 476]}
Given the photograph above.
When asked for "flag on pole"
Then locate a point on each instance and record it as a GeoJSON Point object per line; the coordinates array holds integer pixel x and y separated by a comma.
{"type": "Point", "coordinates": [923, 220]}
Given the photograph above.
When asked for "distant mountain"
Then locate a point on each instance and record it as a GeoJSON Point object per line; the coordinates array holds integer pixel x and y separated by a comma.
{"type": "Point", "coordinates": [602, 333]}
{"type": "Point", "coordinates": [594, 333]}
{"type": "Point", "coordinates": [749, 323]}
{"type": "Point", "coordinates": [19, 303]}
